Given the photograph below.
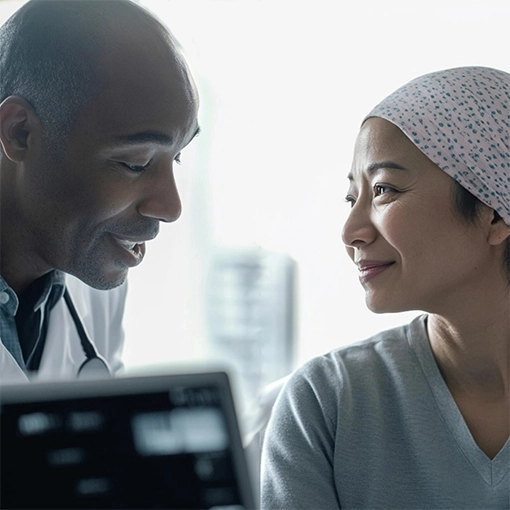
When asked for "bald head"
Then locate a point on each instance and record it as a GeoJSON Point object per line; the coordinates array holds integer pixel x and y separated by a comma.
{"type": "Point", "coordinates": [56, 54]}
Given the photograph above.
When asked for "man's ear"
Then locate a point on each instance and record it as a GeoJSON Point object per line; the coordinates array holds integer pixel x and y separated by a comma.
{"type": "Point", "coordinates": [18, 124]}
{"type": "Point", "coordinates": [499, 231]}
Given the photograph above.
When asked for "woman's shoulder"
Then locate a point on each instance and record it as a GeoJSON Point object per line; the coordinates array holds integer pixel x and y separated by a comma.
{"type": "Point", "coordinates": [387, 351]}
{"type": "Point", "coordinates": [346, 383]}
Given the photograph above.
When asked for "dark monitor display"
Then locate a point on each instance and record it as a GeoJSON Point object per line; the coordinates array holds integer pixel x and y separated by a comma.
{"type": "Point", "coordinates": [146, 442]}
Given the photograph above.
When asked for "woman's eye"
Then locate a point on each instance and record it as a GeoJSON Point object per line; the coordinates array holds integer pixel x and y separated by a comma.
{"type": "Point", "coordinates": [350, 200]}
{"type": "Point", "coordinates": [380, 189]}
{"type": "Point", "coordinates": [177, 158]}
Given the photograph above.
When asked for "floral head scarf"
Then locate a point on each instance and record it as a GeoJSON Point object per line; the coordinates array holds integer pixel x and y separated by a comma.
{"type": "Point", "coordinates": [460, 119]}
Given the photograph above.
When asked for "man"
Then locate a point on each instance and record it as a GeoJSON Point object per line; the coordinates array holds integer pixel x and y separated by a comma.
{"type": "Point", "coordinates": [96, 104]}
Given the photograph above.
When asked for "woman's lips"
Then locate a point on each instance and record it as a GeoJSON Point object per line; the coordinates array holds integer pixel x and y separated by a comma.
{"type": "Point", "coordinates": [370, 269]}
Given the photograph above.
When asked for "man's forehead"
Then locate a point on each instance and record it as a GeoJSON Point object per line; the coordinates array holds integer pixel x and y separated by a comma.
{"type": "Point", "coordinates": [141, 81]}
{"type": "Point", "coordinates": [133, 69]}
{"type": "Point", "coordinates": [151, 113]}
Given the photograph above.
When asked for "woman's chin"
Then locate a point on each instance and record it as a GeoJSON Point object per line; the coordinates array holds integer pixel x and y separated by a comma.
{"type": "Point", "coordinates": [379, 304]}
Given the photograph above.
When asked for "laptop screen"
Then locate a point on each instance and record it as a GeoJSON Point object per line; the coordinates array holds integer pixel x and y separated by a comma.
{"type": "Point", "coordinates": [145, 442]}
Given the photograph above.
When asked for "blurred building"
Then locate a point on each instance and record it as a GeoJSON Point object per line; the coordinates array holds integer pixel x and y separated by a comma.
{"type": "Point", "coordinates": [250, 306]}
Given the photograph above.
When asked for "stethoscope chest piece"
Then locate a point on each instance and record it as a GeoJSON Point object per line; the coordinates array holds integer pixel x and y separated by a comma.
{"type": "Point", "coordinates": [93, 368]}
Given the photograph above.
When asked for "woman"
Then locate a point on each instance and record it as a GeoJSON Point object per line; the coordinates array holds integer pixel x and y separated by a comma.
{"type": "Point", "coordinates": [417, 416]}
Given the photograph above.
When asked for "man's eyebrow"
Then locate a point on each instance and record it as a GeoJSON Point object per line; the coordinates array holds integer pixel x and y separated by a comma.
{"type": "Point", "coordinates": [145, 137]}
{"type": "Point", "coordinates": [196, 133]}
{"type": "Point", "coordinates": [381, 164]}
{"type": "Point", "coordinates": [155, 137]}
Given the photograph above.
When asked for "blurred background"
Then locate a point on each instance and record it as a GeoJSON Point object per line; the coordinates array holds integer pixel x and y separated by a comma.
{"type": "Point", "coordinates": [254, 277]}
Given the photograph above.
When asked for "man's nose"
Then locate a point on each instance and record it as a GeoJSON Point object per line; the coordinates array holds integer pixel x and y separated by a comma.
{"type": "Point", "coordinates": [161, 199]}
{"type": "Point", "coordinates": [358, 230]}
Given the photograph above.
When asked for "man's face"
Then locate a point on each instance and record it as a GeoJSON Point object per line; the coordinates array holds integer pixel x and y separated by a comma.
{"type": "Point", "coordinates": [90, 210]}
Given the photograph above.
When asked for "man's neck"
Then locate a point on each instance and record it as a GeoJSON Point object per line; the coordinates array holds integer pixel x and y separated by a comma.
{"type": "Point", "coordinates": [19, 263]}
{"type": "Point", "coordinates": [19, 278]}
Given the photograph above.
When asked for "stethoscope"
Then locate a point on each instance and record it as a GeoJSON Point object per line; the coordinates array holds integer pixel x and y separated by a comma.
{"type": "Point", "coordinates": [95, 366]}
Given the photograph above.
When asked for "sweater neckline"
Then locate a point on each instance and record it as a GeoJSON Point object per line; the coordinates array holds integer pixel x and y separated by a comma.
{"type": "Point", "coordinates": [493, 471]}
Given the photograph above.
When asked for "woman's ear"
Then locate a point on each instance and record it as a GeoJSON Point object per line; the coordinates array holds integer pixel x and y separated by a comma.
{"type": "Point", "coordinates": [499, 231]}
{"type": "Point", "coordinates": [18, 124]}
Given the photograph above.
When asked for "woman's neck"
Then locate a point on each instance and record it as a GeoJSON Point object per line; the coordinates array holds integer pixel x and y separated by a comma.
{"type": "Point", "coordinates": [472, 348]}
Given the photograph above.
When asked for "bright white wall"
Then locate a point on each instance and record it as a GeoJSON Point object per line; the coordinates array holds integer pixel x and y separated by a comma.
{"type": "Point", "coordinates": [284, 86]}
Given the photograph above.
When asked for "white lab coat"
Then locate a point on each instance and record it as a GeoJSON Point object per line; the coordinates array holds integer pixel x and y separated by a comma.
{"type": "Point", "coordinates": [101, 313]}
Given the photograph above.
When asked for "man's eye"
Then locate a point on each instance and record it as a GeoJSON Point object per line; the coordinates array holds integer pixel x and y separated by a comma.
{"type": "Point", "coordinates": [142, 168]}
{"type": "Point", "coordinates": [137, 168]}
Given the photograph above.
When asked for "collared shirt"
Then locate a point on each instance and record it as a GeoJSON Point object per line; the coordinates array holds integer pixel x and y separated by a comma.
{"type": "Point", "coordinates": [24, 319]}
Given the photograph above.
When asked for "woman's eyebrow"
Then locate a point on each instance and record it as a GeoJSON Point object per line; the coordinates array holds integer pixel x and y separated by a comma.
{"type": "Point", "coordinates": [385, 164]}
{"type": "Point", "coordinates": [381, 164]}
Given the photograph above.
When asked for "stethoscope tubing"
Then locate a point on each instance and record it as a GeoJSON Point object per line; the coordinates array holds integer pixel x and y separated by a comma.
{"type": "Point", "coordinates": [86, 344]}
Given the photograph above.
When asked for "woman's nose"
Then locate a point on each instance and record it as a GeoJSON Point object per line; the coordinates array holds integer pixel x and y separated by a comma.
{"type": "Point", "coordinates": [358, 230]}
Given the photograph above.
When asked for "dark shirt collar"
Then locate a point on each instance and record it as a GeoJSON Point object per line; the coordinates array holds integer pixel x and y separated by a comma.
{"type": "Point", "coordinates": [32, 317]}
{"type": "Point", "coordinates": [52, 281]}
{"type": "Point", "coordinates": [39, 290]}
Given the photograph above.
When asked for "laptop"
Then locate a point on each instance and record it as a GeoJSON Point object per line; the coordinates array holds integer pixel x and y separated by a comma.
{"type": "Point", "coordinates": [159, 441]}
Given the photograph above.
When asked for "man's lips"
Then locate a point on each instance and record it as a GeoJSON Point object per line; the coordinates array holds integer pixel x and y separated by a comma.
{"type": "Point", "coordinates": [128, 244]}
{"type": "Point", "coordinates": [133, 248]}
{"type": "Point", "coordinates": [371, 268]}
{"type": "Point", "coordinates": [134, 239]}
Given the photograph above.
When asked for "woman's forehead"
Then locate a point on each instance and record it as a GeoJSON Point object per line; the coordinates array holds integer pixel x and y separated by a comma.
{"type": "Point", "coordinates": [383, 146]}
{"type": "Point", "coordinates": [379, 139]}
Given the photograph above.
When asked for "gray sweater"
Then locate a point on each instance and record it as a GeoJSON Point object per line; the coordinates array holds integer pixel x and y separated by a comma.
{"type": "Point", "coordinates": [374, 426]}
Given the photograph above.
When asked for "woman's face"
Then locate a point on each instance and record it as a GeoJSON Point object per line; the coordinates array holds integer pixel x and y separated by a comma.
{"type": "Point", "coordinates": [414, 252]}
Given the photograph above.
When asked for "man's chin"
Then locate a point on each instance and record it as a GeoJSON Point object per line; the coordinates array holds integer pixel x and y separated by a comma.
{"type": "Point", "coordinates": [102, 280]}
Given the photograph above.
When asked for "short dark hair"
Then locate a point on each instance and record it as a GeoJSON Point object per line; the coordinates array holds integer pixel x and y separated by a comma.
{"type": "Point", "coordinates": [469, 207]}
{"type": "Point", "coordinates": [49, 51]}
{"type": "Point", "coordinates": [46, 58]}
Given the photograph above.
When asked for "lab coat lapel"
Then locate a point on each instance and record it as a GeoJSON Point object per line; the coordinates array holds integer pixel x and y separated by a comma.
{"type": "Point", "coordinates": [10, 371]}
{"type": "Point", "coordinates": [62, 353]}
